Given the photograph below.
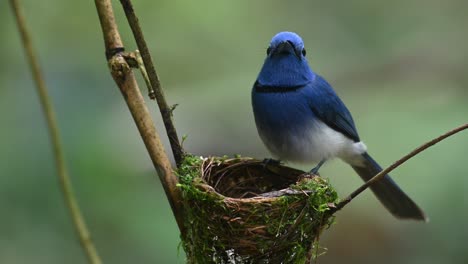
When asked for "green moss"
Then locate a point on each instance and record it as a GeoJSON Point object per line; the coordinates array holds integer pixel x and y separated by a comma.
{"type": "Point", "coordinates": [254, 230]}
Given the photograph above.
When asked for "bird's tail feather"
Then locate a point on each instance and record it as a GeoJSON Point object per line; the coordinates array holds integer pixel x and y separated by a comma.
{"type": "Point", "coordinates": [388, 192]}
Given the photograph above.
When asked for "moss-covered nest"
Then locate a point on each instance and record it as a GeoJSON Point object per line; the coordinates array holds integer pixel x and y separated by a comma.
{"type": "Point", "coordinates": [239, 210]}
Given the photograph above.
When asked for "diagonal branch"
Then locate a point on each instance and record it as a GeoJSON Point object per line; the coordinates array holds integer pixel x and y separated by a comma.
{"type": "Point", "coordinates": [64, 180]}
{"type": "Point", "coordinates": [166, 111]}
{"type": "Point", "coordinates": [395, 165]}
{"type": "Point", "coordinates": [125, 80]}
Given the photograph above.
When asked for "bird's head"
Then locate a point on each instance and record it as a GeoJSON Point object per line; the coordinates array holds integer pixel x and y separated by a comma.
{"type": "Point", "coordinates": [286, 44]}
{"type": "Point", "coordinates": [285, 64]}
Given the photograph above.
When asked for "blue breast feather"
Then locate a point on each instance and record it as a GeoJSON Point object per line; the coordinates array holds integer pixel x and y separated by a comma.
{"type": "Point", "coordinates": [292, 110]}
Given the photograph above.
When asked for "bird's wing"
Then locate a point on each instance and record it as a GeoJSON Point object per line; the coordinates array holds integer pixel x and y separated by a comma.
{"type": "Point", "coordinates": [329, 108]}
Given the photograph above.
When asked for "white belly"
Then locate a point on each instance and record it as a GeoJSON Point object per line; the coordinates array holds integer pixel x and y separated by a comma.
{"type": "Point", "coordinates": [312, 143]}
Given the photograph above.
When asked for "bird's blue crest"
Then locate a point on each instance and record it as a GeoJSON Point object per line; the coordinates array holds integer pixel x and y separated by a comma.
{"type": "Point", "coordinates": [285, 64]}
{"type": "Point", "coordinates": [287, 36]}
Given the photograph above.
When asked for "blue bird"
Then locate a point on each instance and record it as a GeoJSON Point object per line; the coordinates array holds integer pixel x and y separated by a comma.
{"type": "Point", "coordinates": [301, 119]}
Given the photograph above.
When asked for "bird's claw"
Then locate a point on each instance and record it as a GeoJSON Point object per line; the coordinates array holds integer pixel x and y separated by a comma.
{"type": "Point", "coordinates": [315, 171]}
{"type": "Point", "coordinates": [269, 161]}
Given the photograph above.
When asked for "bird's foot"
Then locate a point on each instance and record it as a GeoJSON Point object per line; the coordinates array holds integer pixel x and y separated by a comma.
{"type": "Point", "coordinates": [315, 170]}
{"type": "Point", "coordinates": [269, 161]}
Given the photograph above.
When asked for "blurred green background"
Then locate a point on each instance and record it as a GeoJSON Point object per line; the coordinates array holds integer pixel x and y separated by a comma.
{"type": "Point", "coordinates": [401, 67]}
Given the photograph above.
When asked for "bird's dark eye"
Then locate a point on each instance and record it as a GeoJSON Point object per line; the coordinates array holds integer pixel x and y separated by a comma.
{"type": "Point", "coordinates": [303, 52]}
{"type": "Point", "coordinates": [268, 50]}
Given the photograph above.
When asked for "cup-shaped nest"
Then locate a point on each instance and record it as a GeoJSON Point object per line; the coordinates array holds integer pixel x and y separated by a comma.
{"type": "Point", "coordinates": [241, 210]}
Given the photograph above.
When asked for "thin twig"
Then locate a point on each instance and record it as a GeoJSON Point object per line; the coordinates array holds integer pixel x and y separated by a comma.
{"type": "Point", "coordinates": [125, 80]}
{"type": "Point", "coordinates": [166, 110]}
{"type": "Point", "coordinates": [395, 165]}
{"type": "Point", "coordinates": [64, 179]}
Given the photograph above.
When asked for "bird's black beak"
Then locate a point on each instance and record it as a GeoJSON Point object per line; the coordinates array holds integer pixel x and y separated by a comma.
{"type": "Point", "coordinates": [286, 47]}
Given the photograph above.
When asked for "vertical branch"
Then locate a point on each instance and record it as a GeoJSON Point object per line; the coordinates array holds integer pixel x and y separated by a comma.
{"type": "Point", "coordinates": [166, 111]}
{"type": "Point", "coordinates": [125, 80]}
{"type": "Point", "coordinates": [64, 180]}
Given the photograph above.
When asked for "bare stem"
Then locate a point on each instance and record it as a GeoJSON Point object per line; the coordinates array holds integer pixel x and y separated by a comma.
{"type": "Point", "coordinates": [64, 179]}
{"type": "Point", "coordinates": [125, 80]}
{"type": "Point", "coordinates": [166, 111]}
{"type": "Point", "coordinates": [395, 165]}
